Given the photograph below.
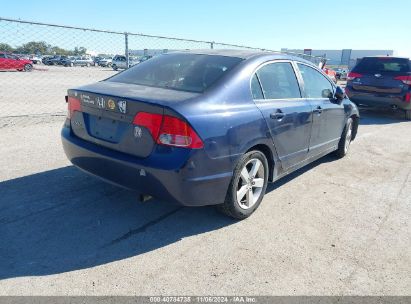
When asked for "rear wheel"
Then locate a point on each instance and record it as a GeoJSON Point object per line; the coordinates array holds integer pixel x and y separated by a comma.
{"type": "Point", "coordinates": [27, 68]}
{"type": "Point", "coordinates": [408, 114]}
{"type": "Point", "coordinates": [115, 67]}
{"type": "Point", "coordinates": [247, 186]}
{"type": "Point", "coordinates": [345, 140]}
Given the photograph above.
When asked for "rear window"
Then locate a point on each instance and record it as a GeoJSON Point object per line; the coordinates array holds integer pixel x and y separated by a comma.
{"type": "Point", "coordinates": [184, 72]}
{"type": "Point", "coordinates": [374, 65]}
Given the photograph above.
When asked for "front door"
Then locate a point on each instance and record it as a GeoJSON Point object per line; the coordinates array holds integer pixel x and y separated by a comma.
{"type": "Point", "coordinates": [277, 94]}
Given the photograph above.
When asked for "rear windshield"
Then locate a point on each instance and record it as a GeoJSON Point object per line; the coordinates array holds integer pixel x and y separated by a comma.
{"type": "Point", "coordinates": [184, 72]}
{"type": "Point", "coordinates": [383, 65]}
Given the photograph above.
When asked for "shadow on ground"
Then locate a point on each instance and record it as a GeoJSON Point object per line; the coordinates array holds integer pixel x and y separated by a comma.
{"type": "Point", "coordinates": [64, 220]}
{"type": "Point", "coordinates": [381, 117]}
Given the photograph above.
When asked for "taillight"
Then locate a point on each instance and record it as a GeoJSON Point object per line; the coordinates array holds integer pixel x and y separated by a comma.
{"type": "Point", "coordinates": [168, 130]}
{"type": "Point", "coordinates": [73, 104]}
{"type": "Point", "coordinates": [150, 121]}
{"type": "Point", "coordinates": [404, 79]}
{"type": "Point", "coordinates": [352, 76]}
{"type": "Point", "coordinates": [408, 97]}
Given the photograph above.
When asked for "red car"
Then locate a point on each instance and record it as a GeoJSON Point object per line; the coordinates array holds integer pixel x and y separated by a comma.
{"type": "Point", "coordinates": [12, 62]}
{"type": "Point", "coordinates": [331, 73]}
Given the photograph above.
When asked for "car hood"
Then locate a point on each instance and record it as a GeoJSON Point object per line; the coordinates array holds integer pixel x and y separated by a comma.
{"type": "Point", "coordinates": [166, 97]}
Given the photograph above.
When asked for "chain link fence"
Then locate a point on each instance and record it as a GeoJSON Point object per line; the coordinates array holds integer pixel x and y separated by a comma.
{"type": "Point", "coordinates": [63, 57]}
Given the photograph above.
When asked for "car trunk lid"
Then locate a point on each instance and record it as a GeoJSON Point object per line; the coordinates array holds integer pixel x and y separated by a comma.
{"type": "Point", "coordinates": [107, 111]}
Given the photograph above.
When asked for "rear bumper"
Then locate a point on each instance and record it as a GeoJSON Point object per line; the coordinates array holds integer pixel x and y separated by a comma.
{"type": "Point", "coordinates": [378, 100]}
{"type": "Point", "coordinates": [179, 183]}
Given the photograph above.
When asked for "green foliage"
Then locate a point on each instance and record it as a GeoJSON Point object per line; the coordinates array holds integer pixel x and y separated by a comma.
{"type": "Point", "coordinates": [4, 47]}
{"type": "Point", "coordinates": [42, 48]}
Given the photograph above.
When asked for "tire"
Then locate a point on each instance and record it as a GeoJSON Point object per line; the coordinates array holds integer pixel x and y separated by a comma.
{"type": "Point", "coordinates": [345, 140]}
{"type": "Point", "coordinates": [408, 114]}
{"type": "Point", "coordinates": [28, 68]}
{"type": "Point", "coordinates": [239, 203]}
{"type": "Point", "coordinates": [115, 68]}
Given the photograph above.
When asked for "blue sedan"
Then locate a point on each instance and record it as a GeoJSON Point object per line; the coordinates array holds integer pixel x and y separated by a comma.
{"type": "Point", "coordinates": [208, 127]}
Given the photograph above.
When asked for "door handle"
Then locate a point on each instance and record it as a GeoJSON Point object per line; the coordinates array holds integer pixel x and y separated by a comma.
{"type": "Point", "coordinates": [277, 115]}
{"type": "Point", "coordinates": [318, 110]}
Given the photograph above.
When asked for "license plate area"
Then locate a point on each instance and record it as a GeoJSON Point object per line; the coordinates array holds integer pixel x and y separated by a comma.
{"type": "Point", "coordinates": [104, 128]}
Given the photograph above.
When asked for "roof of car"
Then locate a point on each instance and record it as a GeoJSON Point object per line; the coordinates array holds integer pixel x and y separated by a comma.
{"type": "Point", "coordinates": [245, 54]}
{"type": "Point", "coordinates": [384, 56]}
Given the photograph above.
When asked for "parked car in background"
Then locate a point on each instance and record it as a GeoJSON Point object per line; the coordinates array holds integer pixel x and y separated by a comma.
{"type": "Point", "coordinates": [96, 60]}
{"type": "Point", "coordinates": [330, 73]}
{"type": "Point", "coordinates": [68, 61]}
{"type": "Point", "coordinates": [105, 62]}
{"type": "Point", "coordinates": [54, 60]}
{"type": "Point", "coordinates": [84, 61]}
{"type": "Point", "coordinates": [381, 82]}
{"type": "Point", "coordinates": [120, 62]}
{"type": "Point", "coordinates": [35, 59]}
{"type": "Point", "coordinates": [208, 127]}
{"type": "Point", "coordinates": [46, 58]}
{"type": "Point", "coordinates": [144, 58]}
{"type": "Point", "coordinates": [341, 74]}
{"type": "Point", "coordinates": [12, 62]}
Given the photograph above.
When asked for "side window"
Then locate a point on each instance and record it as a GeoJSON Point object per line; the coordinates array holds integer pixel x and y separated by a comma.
{"type": "Point", "coordinates": [256, 88]}
{"type": "Point", "coordinates": [315, 84]}
{"type": "Point", "coordinates": [278, 81]}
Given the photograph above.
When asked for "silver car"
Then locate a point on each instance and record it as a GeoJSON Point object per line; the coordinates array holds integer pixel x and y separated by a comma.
{"type": "Point", "coordinates": [84, 61]}
{"type": "Point", "coordinates": [120, 62]}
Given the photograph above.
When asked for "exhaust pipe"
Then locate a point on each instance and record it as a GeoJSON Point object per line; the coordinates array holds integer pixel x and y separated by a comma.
{"type": "Point", "coordinates": [144, 198]}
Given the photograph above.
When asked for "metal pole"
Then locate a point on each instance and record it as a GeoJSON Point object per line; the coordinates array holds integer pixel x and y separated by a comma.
{"type": "Point", "coordinates": [127, 57]}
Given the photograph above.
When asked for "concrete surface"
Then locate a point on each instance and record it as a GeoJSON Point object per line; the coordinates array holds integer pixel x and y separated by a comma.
{"type": "Point", "coordinates": [337, 227]}
{"type": "Point", "coordinates": [42, 90]}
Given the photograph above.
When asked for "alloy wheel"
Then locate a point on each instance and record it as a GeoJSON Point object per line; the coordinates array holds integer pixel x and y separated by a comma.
{"type": "Point", "coordinates": [250, 184]}
{"type": "Point", "coordinates": [348, 138]}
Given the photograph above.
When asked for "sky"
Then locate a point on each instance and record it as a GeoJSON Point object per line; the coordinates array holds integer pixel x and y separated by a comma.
{"type": "Point", "coordinates": [316, 24]}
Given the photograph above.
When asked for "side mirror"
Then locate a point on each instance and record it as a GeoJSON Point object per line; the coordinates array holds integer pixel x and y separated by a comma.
{"type": "Point", "coordinates": [339, 93]}
{"type": "Point", "coordinates": [327, 93]}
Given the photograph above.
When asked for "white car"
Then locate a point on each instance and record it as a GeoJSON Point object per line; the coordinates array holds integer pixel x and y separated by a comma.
{"type": "Point", "coordinates": [105, 62]}
{"type": "Point", "coordinates": [35, 59]}
{"type": "Point", "coordinates": [120, 62]}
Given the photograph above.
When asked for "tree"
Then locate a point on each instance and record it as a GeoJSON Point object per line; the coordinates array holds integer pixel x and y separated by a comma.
{"type": "Point", "coordinates": [4, 47]}
{"type": "Point", "coordinates": [78, 51]}
{"type": "Point", "coordinates": [33, 47]}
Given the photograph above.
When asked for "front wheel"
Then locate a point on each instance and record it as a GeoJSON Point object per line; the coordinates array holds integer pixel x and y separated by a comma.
{"type": "Point", "coordinates": [27, 68]}
{"type": "Point", "coordinates": [115, 68]}
{"type": "Point", "coordinates": [247, 186]}
{"type": "Point", "coordinates": [345, 140]}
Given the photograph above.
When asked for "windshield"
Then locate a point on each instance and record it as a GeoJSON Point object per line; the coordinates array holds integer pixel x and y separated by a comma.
{"type": "Point", "coordinates": [185, 72]}
{"type": "Point", "coordinates": [382, 65]}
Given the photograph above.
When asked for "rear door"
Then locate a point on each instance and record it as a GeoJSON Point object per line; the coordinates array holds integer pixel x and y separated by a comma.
{"type": "Point", "coordinates": [277, 94]}
{"type": "Point", "coordinates": [328, 115]}
{"type": "Point", "coordinates": [378, 75]}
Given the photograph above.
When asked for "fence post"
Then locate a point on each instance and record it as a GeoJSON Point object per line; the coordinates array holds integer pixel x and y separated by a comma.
{"type": "Point", "coordinates": [126, 42]}
{"type": "Point", "coordinates": [212, 44]}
